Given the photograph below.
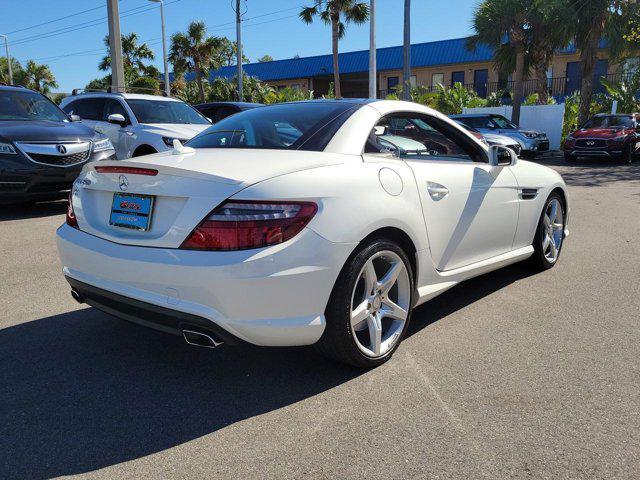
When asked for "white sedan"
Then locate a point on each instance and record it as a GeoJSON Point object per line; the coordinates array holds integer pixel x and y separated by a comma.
{"type": "Point", "coordinates": [320, 222]}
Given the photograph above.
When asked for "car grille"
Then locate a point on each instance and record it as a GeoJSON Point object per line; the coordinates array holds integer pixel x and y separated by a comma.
{"type": "Point", "coordinates": [591, 143]}
{"type": "Point", "coordinates": [56, 154]}
{"type": "Point", "coordinates": [60, 160]}
{"type": "Point", "coordinates": [543, 145]}
{"type": "Point", "coordinates": [516, 147]}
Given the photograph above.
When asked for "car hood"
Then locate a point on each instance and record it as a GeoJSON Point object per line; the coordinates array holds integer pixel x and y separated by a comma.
{"type": "Point", "coordinates": [43, 131]}
{"type": "Point", "coordinates": [598, 133]}
{"type": "Point", "coordinates": [175, 130]}
{"type": "Point", "coordinates": [498, 139]}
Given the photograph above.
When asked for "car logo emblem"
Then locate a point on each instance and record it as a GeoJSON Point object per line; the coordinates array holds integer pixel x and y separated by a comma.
{"type": "Point", "coordinates": [124, 183]}
{"type": "Point", "coordinates": [61, 149]}
{"type": "Point", "coordinates": [591, 143]}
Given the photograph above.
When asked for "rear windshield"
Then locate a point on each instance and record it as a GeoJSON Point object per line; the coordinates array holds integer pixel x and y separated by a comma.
{"type": "Point", "coordinates": [611, 121]}
{"type": "Point", "coordinates": [164, 111]}
{"type": "Point", "coordinates": [287, 126]}
{"type": "Point", "coordinates": [26, 105]}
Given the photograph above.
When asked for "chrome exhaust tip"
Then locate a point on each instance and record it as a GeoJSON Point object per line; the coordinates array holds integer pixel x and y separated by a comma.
{"type": "Point", "coordinates": [77, 296]}
{"type": "Point", "coordinates": [200, 339]}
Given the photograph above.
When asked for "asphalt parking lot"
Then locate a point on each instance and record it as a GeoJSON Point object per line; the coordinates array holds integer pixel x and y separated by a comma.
{"type": "Point", "coordinates": [510, 375]}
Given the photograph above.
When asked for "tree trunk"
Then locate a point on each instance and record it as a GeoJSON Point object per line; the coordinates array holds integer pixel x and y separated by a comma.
{"type": "Point", "coordinates": [334, 46]}
{"type": "Point", "coordinates": [541, 85]}
{"type": "Point", "coordinates": [517, 84]}
{"type": "Point", "coordinates": [200, 84]}
{"type": "Point", "coordinates": [588, 57]}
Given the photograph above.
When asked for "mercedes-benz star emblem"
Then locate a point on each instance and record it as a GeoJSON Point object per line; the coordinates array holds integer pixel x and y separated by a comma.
{"type": "Point", "coordinates": [124, 183]}
{"type": "Point", "coordinates": [61, 149]}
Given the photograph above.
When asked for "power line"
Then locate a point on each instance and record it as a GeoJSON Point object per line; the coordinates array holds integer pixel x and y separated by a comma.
{"type": "Point", "coordinates": [87, 24]}
{"type": "Point", "coordinates": [56, 19]}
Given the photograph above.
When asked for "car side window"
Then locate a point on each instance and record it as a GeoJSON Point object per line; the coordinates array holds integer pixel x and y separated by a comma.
{"type": "Point", "coordinates": [88, 108]}
{"type": "Point", "coordinates": [422, 137]}
{"type": "Point", "coordinates": [112, 107]}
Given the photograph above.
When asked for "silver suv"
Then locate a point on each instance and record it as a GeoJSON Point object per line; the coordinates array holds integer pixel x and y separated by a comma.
{"type": "Point", "coordinates": [531, 141]}
{"type": "Point", "coordinates": [136, 124]}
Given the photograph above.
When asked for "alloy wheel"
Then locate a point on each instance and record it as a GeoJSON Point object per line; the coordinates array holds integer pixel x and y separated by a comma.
{"type": "Point", "coordinates": [553, 233]}
{"type": "Point", "coordinates": [380, 303]}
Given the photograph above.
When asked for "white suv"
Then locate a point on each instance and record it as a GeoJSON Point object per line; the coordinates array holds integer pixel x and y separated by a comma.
{"type": "Point", "coordinates": [137, 124]}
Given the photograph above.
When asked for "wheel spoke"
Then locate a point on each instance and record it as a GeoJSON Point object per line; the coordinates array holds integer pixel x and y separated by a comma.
{"type": "Point", "coordinates": [390, 277]}
{"type": "Point", "coordinates": [393, 310]}
{"type": "Point", "coordinates": [545, 242]}
{"type": "Point", "coordinates": [554, 211]}
{"type": "Point", "coordinates": [554, 249]}
{"type": "Point", "coordinates": [375, 333]}
{"type": "Point", "coordinates": [360, 313]}
{"type": "Point", "coordinates": [370, 278]}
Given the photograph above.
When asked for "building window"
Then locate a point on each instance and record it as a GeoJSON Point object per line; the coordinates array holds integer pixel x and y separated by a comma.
{"type": "Point", "coordinates": [413, 80]}
{"type": "Point", "coordinates": [457, 77]}
{"type": "Point", "coordinates": [392, 82]}
{"type": "Point", "coordinates": [437, 79]}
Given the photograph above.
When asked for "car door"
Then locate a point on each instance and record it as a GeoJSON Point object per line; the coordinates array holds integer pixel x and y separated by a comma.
{"type": "Point", "coordinates": [120, 135]}
{"type": "Point", "coordinates": [470, 207]}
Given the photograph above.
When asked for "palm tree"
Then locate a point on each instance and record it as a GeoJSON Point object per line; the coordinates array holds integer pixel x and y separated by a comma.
{"type": "Point", "coordinates": [495, 21]}
{"type": "Point", "coordinates": [40, 77]}
{"type": "Point", "coordinates": [133, 56]}
{"type": "Point", "coordinates": [331, 13]}
{"type": "Point", "coordinates": [592, 21]}
{"type": "Point", "coordinates": [194, 52]}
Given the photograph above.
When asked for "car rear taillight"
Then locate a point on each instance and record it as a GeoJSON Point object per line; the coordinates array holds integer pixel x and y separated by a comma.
{"type": "Point", "coordinates": [242, 224]}
{"type": "Point", "coordinates": [130, 170]}
{"type": "Point", "coordinates": [71, 219]}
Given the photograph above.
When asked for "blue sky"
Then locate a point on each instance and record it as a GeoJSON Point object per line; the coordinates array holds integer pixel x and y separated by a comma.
{"type": "Point", "coordinates": [271, 27]}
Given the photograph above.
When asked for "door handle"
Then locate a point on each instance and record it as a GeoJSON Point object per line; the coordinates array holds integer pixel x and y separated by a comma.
{"type": "Point", "coordinates": [437, 191]}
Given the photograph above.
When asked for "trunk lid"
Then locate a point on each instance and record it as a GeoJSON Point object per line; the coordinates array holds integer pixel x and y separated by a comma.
{"type": "Point", "coordinates": [186, 188]}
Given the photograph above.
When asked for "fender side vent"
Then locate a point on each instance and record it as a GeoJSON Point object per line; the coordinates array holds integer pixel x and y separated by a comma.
{"type": "Point", "coordinates": [528, 193]}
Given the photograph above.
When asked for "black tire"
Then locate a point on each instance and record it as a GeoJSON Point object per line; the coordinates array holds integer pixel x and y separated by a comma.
{"type": "Point", "coordinates": [337, 342]}
{"type": "Point", "coordinates": [538, 261]}
{"type": "Point", "coordinates": [569, 158]}
{"type": "Point", "coordinates": [629, 155]}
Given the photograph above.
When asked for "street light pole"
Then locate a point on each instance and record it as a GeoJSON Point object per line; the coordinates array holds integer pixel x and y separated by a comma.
{"type": "Point", "coordinates": [115, 47]}
{"type": "Point", "coordinates": [239, 48]}
{"type": "Point", "coordinates": [406, 71]}
{"type": "Point", "coordinates": [6, 46]}
{"type": "Point", "coordinates": [167, 83]}
{"type": "Point", "coordinates": [373, 73]}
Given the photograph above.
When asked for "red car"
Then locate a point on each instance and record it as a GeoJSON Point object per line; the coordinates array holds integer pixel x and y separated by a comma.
{"type": "Point", "coordinates": [605, 136]}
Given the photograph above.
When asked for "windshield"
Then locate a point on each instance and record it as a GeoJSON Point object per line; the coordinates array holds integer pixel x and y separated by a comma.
{"type": "Point", "coordinates": [165, 111]}
{"type": "Point", "coordinates": [611, 121]}
{"type": "Point", "coordinates": [290, 126]}
{"type": "Point", "coordinates": [16, 105]}
{"type": "Point", "coordinates": [502, 122]}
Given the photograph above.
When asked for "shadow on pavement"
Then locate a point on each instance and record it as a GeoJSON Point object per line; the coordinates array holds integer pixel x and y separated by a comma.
{"type": "Point", "coordinates": [593, 172]}
{"type": "Point", "coordinates": [34, 210]}
{"type": "Point", "coordinates": [82, 390]}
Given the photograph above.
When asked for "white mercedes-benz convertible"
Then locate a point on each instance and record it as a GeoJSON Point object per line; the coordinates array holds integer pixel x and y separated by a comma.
{"type": "Point", "coordinates": [321, 222]}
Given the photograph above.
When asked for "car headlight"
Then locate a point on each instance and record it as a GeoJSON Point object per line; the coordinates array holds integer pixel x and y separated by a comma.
{"type": "Point", "coordinates": [529, 134]}
{"type": "Point", "coordinates": [168, 141]}
{"type": "Point", "coordinates": [102, 145]}
{"type": "Point", "coordinates": [7, 149]}
{"type": "Point", "coordinates": [620, 138]}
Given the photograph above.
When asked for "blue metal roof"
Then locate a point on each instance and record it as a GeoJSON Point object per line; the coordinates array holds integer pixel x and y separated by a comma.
{"type": "Point", "coordinates": [427, 54]}
{"type": "Point", "coordinates": [389, 58]}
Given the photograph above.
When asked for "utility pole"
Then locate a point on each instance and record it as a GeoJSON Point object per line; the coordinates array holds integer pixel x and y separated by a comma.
{"type": "Point", "coordinates": [167, 83]}
{"type": "Point", "coordinates": [406, 70]}
{"type": "Point", "coordinates": [6, 46]}
{"type": "Point", "coordinates": [373, 73]}
{"type": "Point", "coordinates": [115, 47]}
{"type": "Point", "coordinates": [239, 48]}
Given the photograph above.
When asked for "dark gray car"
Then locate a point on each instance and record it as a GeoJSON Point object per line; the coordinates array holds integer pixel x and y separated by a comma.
{"type": "Point", "coordinates": [42, 149]}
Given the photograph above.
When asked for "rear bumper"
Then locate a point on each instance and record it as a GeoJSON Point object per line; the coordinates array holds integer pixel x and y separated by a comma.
{"type": "Point", "coordinates": [274, 296]}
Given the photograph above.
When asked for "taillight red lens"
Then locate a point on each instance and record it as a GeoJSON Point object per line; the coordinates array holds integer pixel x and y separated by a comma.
{"type": "Point", "coordinates": [241, 225]}
{"type": "Point", "coordinates": [130, 170]}
{"type": "Point", "coordinates": [72, 221]}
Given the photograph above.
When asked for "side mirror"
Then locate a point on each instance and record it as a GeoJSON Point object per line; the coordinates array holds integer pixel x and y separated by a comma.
{"type": "Point", "coordinates": [379, 130]}
{"type": "Point", "coordinates": [500, 156]}
{"type": "Point", "coordinates": [117, 119]}
{"type": "Point", "coordinates": [75, 118]}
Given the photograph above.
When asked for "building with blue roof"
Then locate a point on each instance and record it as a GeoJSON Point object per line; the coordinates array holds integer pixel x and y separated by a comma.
{"type": "Point", "coordinates": [443, 61]}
